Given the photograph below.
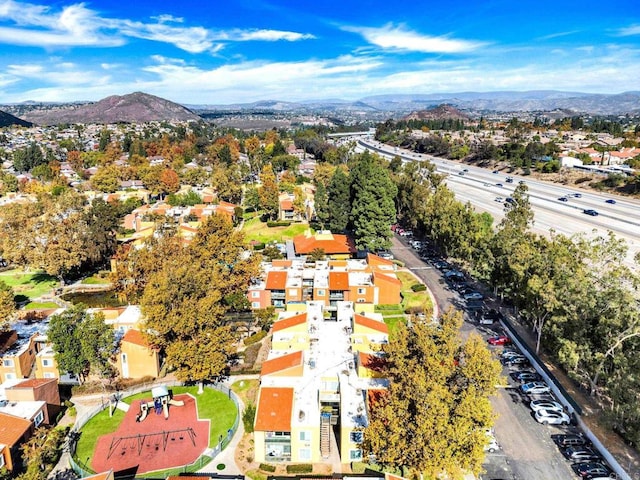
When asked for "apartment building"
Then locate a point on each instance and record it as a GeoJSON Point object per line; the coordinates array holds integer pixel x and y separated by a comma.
{"type": "Point", "coordinates": [314, 385]}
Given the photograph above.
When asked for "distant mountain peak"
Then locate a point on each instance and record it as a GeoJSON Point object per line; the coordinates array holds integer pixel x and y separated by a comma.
{"type": "Point", "coordinates": [439, 112]}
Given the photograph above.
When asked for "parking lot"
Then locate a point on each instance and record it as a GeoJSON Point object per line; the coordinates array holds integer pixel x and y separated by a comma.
{"type": "Point", "coordinates": [527, 447]}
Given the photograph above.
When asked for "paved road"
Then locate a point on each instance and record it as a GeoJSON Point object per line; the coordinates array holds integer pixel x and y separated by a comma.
{"type": "Point", "coordinates": [528, 452]}
{"type": "Point", "coordinates": [479, 187]}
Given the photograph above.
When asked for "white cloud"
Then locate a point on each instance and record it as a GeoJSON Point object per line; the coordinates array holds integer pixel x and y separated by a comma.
{"type": "Point", "coordinates": [268, 35]}
{"type": "Point", "coordinates": [630, 30]}
{"type": "Point", "coordinates": [399, 38]}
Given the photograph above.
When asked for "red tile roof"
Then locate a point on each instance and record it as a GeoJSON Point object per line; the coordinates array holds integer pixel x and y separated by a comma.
{"type": "Point", "coordinates": [289, 322]}
{"type": "Point", "coordinates": [34, 382]}
{"type": "Point", "coordinates": [286, 205]}
{"type": "Point", "coordinates": [339, 244]}
{"type": "Point", "coordinates": [373, 259]}
{"type": "Point", "coordinates": [12, 429]}
{"type": "Point", "coordinates": [338, 281]}
{"type": "Point", "coordinates": [284, 362]}
{"type": "Point", "coordinates": [135, 337]}
{"type": "Point", "coordinates": [276, 280]}
{"type": "Point", "coordinates": [370, 323]}
{"type": "Point", "coordinates": [390, 277]}
{"type": "Point", "coordinates": [274, 410]}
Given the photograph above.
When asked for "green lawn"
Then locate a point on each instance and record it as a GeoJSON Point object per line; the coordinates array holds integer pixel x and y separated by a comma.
{"type": "Point", "coordinates": [40, 305]}
{"type": "Point", "coordinates": [95, 280]}
{"type": "Point", "coordinates": [212, 404]}
{"type": "Point", "coordinates": [29, 285]}
{"type": "Point", "coordinates": [256, 230]}
{"type": "Point", "coordinates": [410, 298]}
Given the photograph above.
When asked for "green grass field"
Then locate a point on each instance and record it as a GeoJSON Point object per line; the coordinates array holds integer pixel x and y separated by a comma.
{"type": "Point", "coordinates": [40, 305]}
{"type": "Point", "coordinates": [28, 285]}
{"type": "Point", "coordinates": [95, 280]}
{"type": "Point", "coordinates": [258, 231]}
{"type": "Point", "coordinates": [411, 299]}
{"type": "Point", "coordinates": [212, 405]}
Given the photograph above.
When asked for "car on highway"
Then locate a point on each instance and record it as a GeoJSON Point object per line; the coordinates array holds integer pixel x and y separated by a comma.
{"type": "Point", "coordinates": [499, 340]}
{"type": "Point", "coordinates": [526, 377]}
{"type": "Point", "coordinates": [611, 201]}
{"type": "Point", "coordinates": [592, 469]}
{"type": "Point", "coordinates": [536, 405]}
{"type": "Point", "coordinates": [499, 185]}
{"type": "Point", "coordinates": [535, 388]}
{"type": "Point", "coordinates": [473, 296]}
{"type": "Point", "coordinates": [495, 171]}
{"type": "Point", "coordinates": [499, 199]}
{"type": "Point", "coordinates": [552, 417]}
{"type": "Point", "coordinates": [563, 199]}
{"type": "Point", "coordinates": [590, 211]}
{"type": "Point", "coordinates": [510, 200]}
{"type": "Point", "coordinates": [581, 454]}
{"type": "Point", "coordinates": [486, 184]}
{"type": "Point", "coordinates": [461, 173]}
{"type": "Point", "coordinates": [509, 180]}
{"type": "Point", "coordinates": [577, 195]}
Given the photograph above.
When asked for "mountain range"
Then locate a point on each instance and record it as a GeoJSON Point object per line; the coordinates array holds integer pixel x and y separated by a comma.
{"type": "Point", "coordinates": [141, 107]}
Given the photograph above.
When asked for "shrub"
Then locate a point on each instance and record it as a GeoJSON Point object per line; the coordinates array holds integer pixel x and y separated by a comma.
{"type": "Point", "coordinates": [300, 468]}
{"type": "Point", "coordinates": [265, 467]}
{"type": "Point", "coordinates": [258, 246]}
{"type": "Point", "coordinates": [256, 337]}
{"type": "Point", "coordinates": [248, 417]}
{"type": "Point", "coordinates": [251, 354]}
{"type": "Point", "coordinates": [418, 287]}
{"type": "Point", "coordinates": [272, 223]}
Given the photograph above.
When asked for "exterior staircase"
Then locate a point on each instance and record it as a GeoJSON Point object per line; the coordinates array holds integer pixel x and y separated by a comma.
{"type": "Point", "coordinates": [325, 435]}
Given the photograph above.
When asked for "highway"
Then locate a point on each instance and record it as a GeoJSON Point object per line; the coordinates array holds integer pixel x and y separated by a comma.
{"type": "Point", "coordinates": [481, 188]}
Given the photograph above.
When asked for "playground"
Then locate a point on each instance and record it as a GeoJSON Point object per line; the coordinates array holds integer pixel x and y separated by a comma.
{"type": "Point", "coordinates": [157, 432]}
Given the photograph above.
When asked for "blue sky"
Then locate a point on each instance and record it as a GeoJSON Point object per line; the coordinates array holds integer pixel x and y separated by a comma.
{"type": "Point", "coordinates": [221, 52]}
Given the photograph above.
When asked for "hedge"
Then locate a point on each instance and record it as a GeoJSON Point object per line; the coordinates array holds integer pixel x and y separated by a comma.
{"type": "Point", "coordinates": [272, 223]}
{"type": "Point", "coordinates": [300, 468]}
{"type": "Point", "coordinates": [258, 246]}
{"type": "Point", "coordinates": [256, 337]}
{"type": "Point", "coordinates": [418, 287]}
{"type": "Point", "coordinates": [265, 467]}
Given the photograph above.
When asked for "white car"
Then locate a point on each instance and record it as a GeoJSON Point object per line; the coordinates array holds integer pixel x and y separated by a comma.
{"type": "Point", "coordinates": [473, 296]}
{"type": "Point", "coordinates": [499, 199]}
{"type": "Point", "coordinates": [552, 417]}
{"type": "Point", "coordinates": [536, 405]}
{"type": "Point", "coordinates": [492, 446]}
{"type": "Point", "coordinates": [535, 388]}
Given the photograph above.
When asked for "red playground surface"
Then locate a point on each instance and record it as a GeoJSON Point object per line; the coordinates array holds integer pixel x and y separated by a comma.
{"type": "Point", "coordinates": [155, 443]}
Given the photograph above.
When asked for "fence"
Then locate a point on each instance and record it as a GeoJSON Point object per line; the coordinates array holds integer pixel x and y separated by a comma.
{"type": "Point", "coordinates": [81, 467]}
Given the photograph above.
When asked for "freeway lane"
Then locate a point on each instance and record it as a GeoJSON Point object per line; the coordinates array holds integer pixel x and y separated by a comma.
{"type": "Point", "coordinates": [478, 186]}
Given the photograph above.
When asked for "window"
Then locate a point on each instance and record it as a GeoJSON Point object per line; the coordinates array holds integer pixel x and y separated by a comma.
{"type": "Point", "coordinates": [255, 294]}
{"type": "Point", "coordinates": [49, 375]}
{"type": "Point", "coordinates": [305, 436]}
{"type": "Point", "coordinates": [46, 362]}
{"type": "Point", "coordinates": [7, 362]}
{"type": "Point", "coordinates": [9, 376]}
{"type": "Point", "coordinates": [255, 304]}
{"type": "Point", "coordinates": [39, 418]}
{"type": "Point", "coordinates": [304, 454]}
{"type": "Point", "coordinates": [361, 300]}
{"type": "Point", "coordinates": [361, 291]}
{"type": "Point", "coordinates": [356, 437]}
{"type": "Point", "coordinates": [355, 455]}
{"type": "Point", "coordinates": [321, 293]}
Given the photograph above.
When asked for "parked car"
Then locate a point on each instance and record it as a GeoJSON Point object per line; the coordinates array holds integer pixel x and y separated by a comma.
{"type": "Point", "coordinates": [591, 469]}
{"type": "Point", "coordinates": [499, 340]}
{"type": "Point", "coordinates": [552, 417]}
{"type": "Point", "coordinates": [385, 255]}
{"type": "Point", "coordinates": [563, 199]}
{"type": "Point", "coordinates": [591, 212]}
{"type": "Point", "coordinates": [536, 405]}
{"type": "Point", "coordinates": [569, 440]}
{"type": "Point", "coordinates": [535, 387]}
{"type": "Point", "coordinates": [473, 296]}
{"type": "Point", "coordinates": [515, 360]}
{"type": "Point", "coordinates": [526, 377]}
{"type": "Point", "coordinates": [581, 454]}
{"type": "Point", "coordinates": [611, 201]}
{"type": "Point", "coordinates": [492, 446]}
{"type": "Point", "coordinates": [510, 354]}
{"type": "Point", "coordinates": [441, 265]}
{"type": "Point", "coordinates": [489, 317]}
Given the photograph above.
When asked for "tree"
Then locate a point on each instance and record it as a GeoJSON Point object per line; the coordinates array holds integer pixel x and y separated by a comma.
{"type": "Point", "coordinates": [269, 192]}
{"type": "Point", "coordinates": [97, 340]}
{"type": "Point", "coordinates": [433, 418]}
{"type": "Point", "coordinates": [106, 179]}
{"type": "Point", "coordinates": [339, 201]}
{"type": "Point", "coordinates": [186, 300]}
{"type": "Point", "coordinates": [373, 210]}
{"type": "Point", "coordinates": [169, 181]}
{"type": "Point", "coordinates": [321, 205]}
{"type": "Point", "coordinates": [63, 335]}
{"type": "Point", "coordinates": [7, 305]}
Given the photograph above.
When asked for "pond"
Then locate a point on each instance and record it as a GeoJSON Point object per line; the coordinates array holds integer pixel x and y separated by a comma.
{"type": "Point", "coordinates": [94, 299]}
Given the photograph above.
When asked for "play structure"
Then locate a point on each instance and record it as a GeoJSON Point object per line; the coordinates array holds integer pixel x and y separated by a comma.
{"type": "Point", "coordinates": [161, 399]}
{"type": "Point", "coordinates": [152, 441]}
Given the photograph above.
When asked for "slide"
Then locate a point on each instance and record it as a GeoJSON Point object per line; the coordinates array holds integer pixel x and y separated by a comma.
{"type": "Point", "coordinates": [176, 403]}
{"type": "Point", "coordinates": [165, 409]}
{"type": "Point", "coordinates": [144, 410]}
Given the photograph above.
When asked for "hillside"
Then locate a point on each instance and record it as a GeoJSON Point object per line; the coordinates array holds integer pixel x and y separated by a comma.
{"type": "Point", "coordinates": [135, 107]}
{"type": "Point", "coordinates": [440, 112]}
{"type": "Point", "coordinates": [6, 120]}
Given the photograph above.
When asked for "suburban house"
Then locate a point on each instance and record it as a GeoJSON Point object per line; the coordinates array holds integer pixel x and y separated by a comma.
{"type": "Point", "coordinates": [313, 401]}
{"type": "Point", "coordinates": [136, 358]}
{"type": "Point", "coordinates": [14, 431]}
{"type": "Point", "coordinates": [371, 280]}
